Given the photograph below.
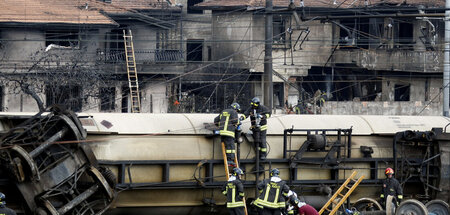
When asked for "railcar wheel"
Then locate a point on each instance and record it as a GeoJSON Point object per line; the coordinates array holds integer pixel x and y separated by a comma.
{"type": "Point", "coordinates": [367, 204]}
{"type": "Point", "coordinates": [437, 207]}
{"type": "Point", "coordinates": [51, 210]}
{"type": "Point", "coordinates": [27, 160]}
{"type": "Point", "coordinates": [411, 207]}
{"type": "Point", "coordinates": [101, 181]}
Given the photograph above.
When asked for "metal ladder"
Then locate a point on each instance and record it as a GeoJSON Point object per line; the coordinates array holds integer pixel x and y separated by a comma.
{"type": "Point", "coordinates": [132, 73]}
{"type": "Point", "coordinates": [344, 197]}
{"type": "Point", "coordinates": [227, 171]}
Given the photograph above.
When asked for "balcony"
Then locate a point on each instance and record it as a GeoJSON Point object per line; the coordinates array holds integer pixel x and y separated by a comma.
{"type": "Point", "coordinates": [143, 56]}
{"type": "Point", "coordinates": [391, 60]}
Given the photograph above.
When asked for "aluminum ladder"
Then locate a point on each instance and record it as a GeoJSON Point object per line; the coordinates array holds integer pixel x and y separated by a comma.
{"type": "Point", "coordinates": [131, 71]}
{"type": "Point", "coordinates": [227, 171]}
{"type": "Point", "coordinates": [344, 186]}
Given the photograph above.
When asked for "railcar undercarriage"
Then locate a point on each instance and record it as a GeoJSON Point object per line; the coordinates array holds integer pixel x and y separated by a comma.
{"type": "Point", "coordinates": [54, 170]}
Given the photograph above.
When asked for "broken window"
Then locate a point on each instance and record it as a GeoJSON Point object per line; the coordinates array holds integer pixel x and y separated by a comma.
{"type": "Point", "coordinates": [62, 38]}
{"type": "Point", "coordinates": [192, 3]}
{"type": "Point", "coordinates": [404, 35]}
{"type": "Point", "coordinates": [376, 30]}
{"type": "Point", "coordinates": [107, 98]}
{"type": "Point", "coordinates": [428, 34]}
{"type": "Point", "coordinates": [347, 33]}
{"type": "Point", "coordinates": [115, 47]}
{"type": "Point", "coordinates": [401, 92]}
{"type": "Point", "coordinates": [362, 32]}
{"type": "Point", "coordinates": [67, 96]}
{"type": "Point", "coordinates": [279, 29]}
{"type": "Point", "coordinates": [194, 49]}
{"type": "Point", "coordinates": [167, 48]}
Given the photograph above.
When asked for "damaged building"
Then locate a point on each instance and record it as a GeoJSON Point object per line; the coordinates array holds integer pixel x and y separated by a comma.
{"type": "Point", "coordinates": [329, 57]}
{"type": "Point", "coordinates": [73, 53]}
{"type": "Point", "coordinates": [358, 57]}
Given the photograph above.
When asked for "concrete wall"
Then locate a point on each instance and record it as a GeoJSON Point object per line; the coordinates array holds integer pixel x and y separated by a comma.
{"type": "Point", "coordinates": [144, 41]}
{"type": "Point", "coordinates": [20, 44]}
{"type": "Point", "coordinates": [154, 97]}
{"type": "Point", "coordinates": [413, 108]}
{"type": "Point", "coordinates": [240, 35]}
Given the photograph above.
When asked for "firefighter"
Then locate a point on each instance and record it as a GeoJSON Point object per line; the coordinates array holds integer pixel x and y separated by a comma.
{"type": "Point", "coordinates": [391, 187]}
{"type": "Point", "coordinates": [291, 203]}
{"type": "Point", "coordinates": [258, 115]}
{"type": "Point", "coordinates": [227, 122]}
{"type": "Point", "coordinates": [234, 191]}
{"type": "Point", "coordinates": [273, 192]}
{"type": "Point", "coordinates": [3, 209]}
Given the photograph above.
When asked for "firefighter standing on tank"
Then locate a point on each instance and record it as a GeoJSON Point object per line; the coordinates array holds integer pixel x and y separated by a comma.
{"type": "Point", "coordinates": [228, 121]}
{"type": "Point", "coordinates": [234, 191]}
{"type": "Point", "coordinates": [273, 191]}
{"type": "Point", "coordinates": [391, 187]}
{"type": "Point", "coordinates": [258, 115]}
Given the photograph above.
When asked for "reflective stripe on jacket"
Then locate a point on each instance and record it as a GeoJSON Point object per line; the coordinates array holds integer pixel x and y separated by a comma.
{"type": "Point", "coordinates": [261, 110]}
{"type": "Point", "coordinates": [234, 191]}
{"type": "Point", "coordinates": [272, 194]}
{"type": "Point", "coordinates": [227, 122]}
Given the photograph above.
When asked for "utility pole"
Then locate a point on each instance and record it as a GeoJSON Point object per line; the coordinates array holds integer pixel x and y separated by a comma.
{"type": "Point", "coordinates": [268, 85]}
{"type": "Point", "coordinates": [446, 78]}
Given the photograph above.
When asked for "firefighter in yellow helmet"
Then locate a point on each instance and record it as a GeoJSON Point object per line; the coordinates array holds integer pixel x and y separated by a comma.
{"type": "Point", "coordinates": [234, 191]}
{"type": "Point", "coordinates": [391, 187]}
{"type": "Point", "coordinates": [273, 193]}
{"type": "Point", "coordinates": [228, 121]}
{"type": "Point", "coordinates": [258, 115]}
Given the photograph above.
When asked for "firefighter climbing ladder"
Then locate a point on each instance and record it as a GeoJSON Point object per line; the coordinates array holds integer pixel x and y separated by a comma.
{"type": "Point", "coordinates": [349, 188]}
{"type": "Point", "coordinates": [227, 172]}
{"type": "Point", "coordinates": [131, 71]}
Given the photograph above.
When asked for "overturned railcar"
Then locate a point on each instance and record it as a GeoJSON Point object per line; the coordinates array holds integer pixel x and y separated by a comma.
{"type": "Point", "coordinates": [173, 164]}
{"type": "Point", "coordinates": [48, 169]}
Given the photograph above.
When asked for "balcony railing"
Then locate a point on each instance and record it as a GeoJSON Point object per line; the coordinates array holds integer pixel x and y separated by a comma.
{"type": "Point", "coordinates": [143, 56]}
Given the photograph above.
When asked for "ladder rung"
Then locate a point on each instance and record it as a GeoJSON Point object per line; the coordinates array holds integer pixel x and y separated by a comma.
{"type": "Point", "coordinates": [327, 209]}
{"type": "Point", "coordinates": [341, 195]}
{"type": "Point", "coordinates": [348, 187]}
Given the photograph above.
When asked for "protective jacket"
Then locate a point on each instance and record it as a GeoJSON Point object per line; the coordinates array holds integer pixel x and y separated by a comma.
{"type": "Point", "coordinates": [234, 191]}
{"type": "Point", "coordinates": [272, 193]}
{"type": "Point", "coordinates": [391, 187]}
{"type": "Point", "coordinates": [227, 121]}
{"type": "Point", "coordinates": [262, 111]}
{"type": "Point", "coordinates": [6, 211]}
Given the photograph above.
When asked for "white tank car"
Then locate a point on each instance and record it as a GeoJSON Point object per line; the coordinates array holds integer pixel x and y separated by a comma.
{"type": "Point", "coordinates": [171, 163]}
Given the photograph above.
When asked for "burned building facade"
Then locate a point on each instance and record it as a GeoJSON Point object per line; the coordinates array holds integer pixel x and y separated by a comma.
{"type": "Point", "coordinates": [359, 57]}
{"type": "Point", "coordinates": [73, 53]}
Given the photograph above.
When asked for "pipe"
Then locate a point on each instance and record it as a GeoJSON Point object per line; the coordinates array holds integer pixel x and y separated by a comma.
{"type": "Point", "coordinates": [77, 200]}
{"type": "Point", "coordinates": [268, 91]}
{"type": "Point", "coordinates": [48, 142]}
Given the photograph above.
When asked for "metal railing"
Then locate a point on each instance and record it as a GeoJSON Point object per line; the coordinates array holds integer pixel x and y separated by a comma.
{"type": "Point", "coordinates": [144, 56]}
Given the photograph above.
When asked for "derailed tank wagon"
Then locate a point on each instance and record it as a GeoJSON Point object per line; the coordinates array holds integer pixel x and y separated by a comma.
{"type": "Point", "coordinates": [49, 169]}
{"type": "Point", "coordinates": [173, 164]}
